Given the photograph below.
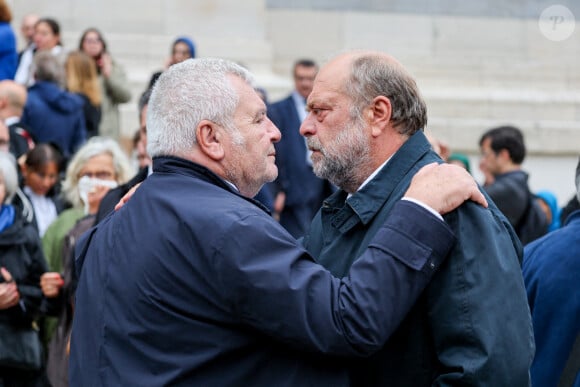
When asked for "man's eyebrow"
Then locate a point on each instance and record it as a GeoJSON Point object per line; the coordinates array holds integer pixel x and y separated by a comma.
{"type": "Point", "coordinates": [261, 112]}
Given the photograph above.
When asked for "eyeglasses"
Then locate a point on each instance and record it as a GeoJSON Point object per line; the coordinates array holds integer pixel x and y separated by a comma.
{"type": "Point", "coordinates": [488, 153]}
{"type": "Point", "coordinates": [92, 40]}
{"type": "Point", "coordinates": [102, 175]}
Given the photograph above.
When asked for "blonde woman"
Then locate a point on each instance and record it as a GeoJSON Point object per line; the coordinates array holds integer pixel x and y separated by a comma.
{"type": "Point", "coordinates": [98, 166]}
{"type": "Point", "coordinates": [82, 79]}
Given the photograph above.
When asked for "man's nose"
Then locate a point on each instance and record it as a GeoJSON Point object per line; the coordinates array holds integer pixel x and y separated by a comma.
{"type": "Point", "coordinates": [276, 134]}
{"type": "Point", "coordinates": [307, 127]}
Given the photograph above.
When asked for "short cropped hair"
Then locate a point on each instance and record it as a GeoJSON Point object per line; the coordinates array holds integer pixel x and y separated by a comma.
{"type": "Point", "coordinates": [48, 68]}
{"type": "Point", "coordinates": [185, 94]}
{"type": "Point", "coordinates": [509, 138]}
{"type": "Point", "coordinates": [372, 76]}
{"type": "Point", "coordinates": [304, 63]}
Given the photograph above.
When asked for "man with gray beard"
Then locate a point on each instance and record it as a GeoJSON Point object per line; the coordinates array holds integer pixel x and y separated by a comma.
{"type": "Point", "coordinates": [472, 325]}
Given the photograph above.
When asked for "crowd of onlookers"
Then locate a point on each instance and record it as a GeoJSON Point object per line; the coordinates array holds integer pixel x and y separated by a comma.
{"type": "Point", "coordinates": [60, 155]}
{"type": "Point", "coordinates": [62, 170]}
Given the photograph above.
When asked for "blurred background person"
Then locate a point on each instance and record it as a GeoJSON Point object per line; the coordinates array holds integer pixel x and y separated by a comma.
{"type": "Point", "coordinates": [8, 53]}
{"type": "Point", "coordinates": [53, 114]}
{"type": "Point", "coordinates": [503, 151]}
{"type": "Point", "coordinates": [46, 38]}
{"type": "Point", "coordinates": [97, 167]}
{"type": "Point", "coordinates": [113, 81]}
{"type": "Point", "coordinates": [112, 197]}
{"type": "Point", "coordinates": [41, 172]}
{"type": "Point", "coordinates": [142, 159]}
{"type": "Point", "coordinates": [460, 159]}
{"type": "Point", "coordinates": [27, 32]}
{"type": "Point", "coordinates": [298, 192]}
{"type": "Point", "coordinates": [12, 100]}
{"type": "Point", "coordinates": [439, 146]}
{"type": "Point", "coordinates": [82, 79]}
{"type": "Point", "coordinates": [182, 48]}
{"type": "Point", "coordinates": [549, 203]}
{"type": "Point", "coordinates": [20, 200]}
{"type": "Point", "coordinates": [21, 265]}
{"type": "Point", "coordinates": [572, 205]}
{"type": "Point", "coordinates": [4, 137]}
{"type": "Point", "coordinates": [551, 269]}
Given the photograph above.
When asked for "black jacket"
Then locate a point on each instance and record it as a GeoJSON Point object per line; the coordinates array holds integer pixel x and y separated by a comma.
{"type": "Point", "coordinates": [21, 254]}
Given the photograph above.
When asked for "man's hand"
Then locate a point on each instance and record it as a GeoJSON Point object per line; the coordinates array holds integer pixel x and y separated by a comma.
{"type": "Point", "coordinates": [127, 196]}
{"type": "Point", "coordinates": [50, 283]}
{"type": "Point", "coordinates": [444, 187]}
{"type": "Point", "coordinates": [9, 295]}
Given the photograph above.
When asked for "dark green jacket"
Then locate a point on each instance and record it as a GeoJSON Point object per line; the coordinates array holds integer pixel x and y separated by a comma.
{"type": "Point", "coordinates": [471, 326]}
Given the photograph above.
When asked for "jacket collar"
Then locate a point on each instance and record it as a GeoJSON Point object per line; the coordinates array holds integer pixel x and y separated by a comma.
{"type": "Point", "coordinates": [364, 204]}
{"type": "Point", "coordinates": [172, 164]}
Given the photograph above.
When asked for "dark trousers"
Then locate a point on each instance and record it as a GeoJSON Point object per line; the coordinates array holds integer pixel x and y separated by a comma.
{"type": "Point", "coordinates": [12, 377]}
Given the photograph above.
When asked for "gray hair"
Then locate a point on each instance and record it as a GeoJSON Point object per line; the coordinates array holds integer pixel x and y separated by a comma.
{"type": "Point", "coordinates": [47, 67]}
{"type": "Point", "coordinates": [372, 76]}
{"type": "Point", "coordinates": [95, 146]}
{"type": "Point", "coordinates": [185, 94]}
{"type": "Point", "coordinates": [9, 174]}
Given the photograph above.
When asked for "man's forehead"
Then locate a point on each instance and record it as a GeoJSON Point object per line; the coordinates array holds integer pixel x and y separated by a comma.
{"type": "Point", "coordinates": [327, 88]}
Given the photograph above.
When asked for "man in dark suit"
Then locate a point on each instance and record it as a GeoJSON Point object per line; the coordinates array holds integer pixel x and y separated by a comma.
{"type": "Point", "coordinates": [299, 192]}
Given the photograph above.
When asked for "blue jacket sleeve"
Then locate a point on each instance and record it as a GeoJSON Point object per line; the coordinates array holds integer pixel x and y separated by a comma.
{"type": "Point", "coordinates": [276, 287]}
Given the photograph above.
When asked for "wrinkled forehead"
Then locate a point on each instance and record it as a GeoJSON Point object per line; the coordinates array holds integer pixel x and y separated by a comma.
{"type": "Point", "coordinates": [329, 86]}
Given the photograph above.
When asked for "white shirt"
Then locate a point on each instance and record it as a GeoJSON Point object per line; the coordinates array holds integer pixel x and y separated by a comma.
{"type": "Point", "coordinates": [44, 210]}
{"type": "Point", "coordinates": [376, 171]}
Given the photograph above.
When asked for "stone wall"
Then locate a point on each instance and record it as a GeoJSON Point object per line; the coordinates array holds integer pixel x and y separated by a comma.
{"type": "Point", "coordinates": [478, 64]}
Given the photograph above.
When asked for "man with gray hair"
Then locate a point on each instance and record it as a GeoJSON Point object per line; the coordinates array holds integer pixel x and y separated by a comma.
{"type": "Point", "coordinates": [551, 270]}
{"type": "Point", "coordinates": [471, 326]}
{"type": "Point", "coordinates": [53, 114]}
{"type": "Point", "coordinates": [193, 283]}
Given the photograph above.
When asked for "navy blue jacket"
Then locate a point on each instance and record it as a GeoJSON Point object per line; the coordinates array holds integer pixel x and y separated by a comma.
{"type": "Point", "coordinates": [55, 115]}
{"type": "Point", "coordinates": [191, 284]}
{"type": "Point", "coordinates": [304, 190]}
{"type": "Point", "coordinates": [472, 325]}
{"type": "Point", "coordinates": [551, 270]}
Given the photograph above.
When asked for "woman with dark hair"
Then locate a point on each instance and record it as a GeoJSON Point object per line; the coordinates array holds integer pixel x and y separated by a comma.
{"type": "Point", "coordinates": [113, 81]}
{"type": "Point", "coordinates": [41, 171]}
{"type": "Point", "coordinates": [46, 38]}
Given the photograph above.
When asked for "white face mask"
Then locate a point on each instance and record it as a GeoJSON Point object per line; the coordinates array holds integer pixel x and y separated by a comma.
{"type": "Point", "coordinates": [87, 185]}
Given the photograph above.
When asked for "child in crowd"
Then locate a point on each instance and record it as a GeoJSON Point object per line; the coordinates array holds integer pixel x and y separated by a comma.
{"type": "Point", "coordinates": [40, 173]}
